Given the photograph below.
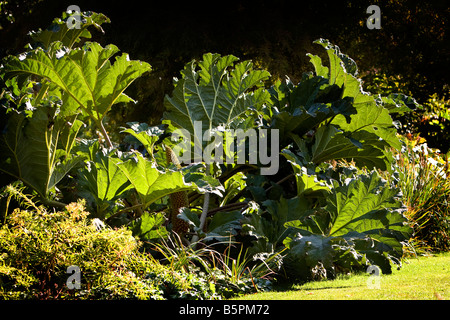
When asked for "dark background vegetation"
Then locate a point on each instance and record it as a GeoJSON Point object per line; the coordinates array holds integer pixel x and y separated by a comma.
{"type": "Point", "coordinates": [412, 44]}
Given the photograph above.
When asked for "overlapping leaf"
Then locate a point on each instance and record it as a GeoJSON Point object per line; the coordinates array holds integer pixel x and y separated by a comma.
{"type": "Point", "coordinates": [302, 107]}
{"type": "Point", "coordinates": [330, 117]}
{"type": "Point", "coordinates": [145, 134]}
{"type": "Point", "coordinates": [36, 149]}
{"type": "Point", "coordinates": [215, 91]}
{"type": "Point", "coordinates": [85, 76]}
{"type": "Point", "coordinates": [370, 117]}
{"type": "Point", "coordinates": [101, 180]}
{"type": "Point", "coordinates": [152, 184]}
{"type": "Point", "coordinates": [364, 213]}
{"type": "Point", "coordinates": [149, 226]}
{"type": "Point", "coordinates": [368, 206]}
{"type": "Point", "coordinates": [331, 143]}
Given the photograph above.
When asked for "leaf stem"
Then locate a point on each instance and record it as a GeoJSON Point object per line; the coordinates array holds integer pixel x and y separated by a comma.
{"type": "Point", "coordinates": [105, 134]}
{"type": "Point", "coordinates": [204, 211]}
{"type": "Point", "coordinates": [231, 206]}
{"type": "Point", "coordinates": [53, 203]}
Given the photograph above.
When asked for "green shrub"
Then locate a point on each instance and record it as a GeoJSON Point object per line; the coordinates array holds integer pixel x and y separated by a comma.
{"type": "Point", "coordinates": [38, 246]}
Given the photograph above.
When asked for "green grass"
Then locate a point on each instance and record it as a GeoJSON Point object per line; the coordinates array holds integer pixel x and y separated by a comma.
{"type": "Point", "coordinates": [419, 279]}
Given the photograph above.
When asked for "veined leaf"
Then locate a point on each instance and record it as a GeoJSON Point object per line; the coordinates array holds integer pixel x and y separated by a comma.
{"type": "Point", "coordinates": [149, 226]}
{"type": "Point", "coordinates": [303, 107]}
{"type": "Point", "coordinates": [85, 77]}
{"type": "Point", "coordinates": [102, 179]}
{"type": "Point", "coordinates": [306, 183]}
{"type": "Point", "coordinates": [366, 205]}
{"type": "Point", "coordinates": [30, 149]}
{"type": "Point", "coordinates": [269, 228]}
{"type": "Point", "coordinates": [362, 216]}
{"type": "Point", "coordinates": [215, 95]}
{"type": "Point", "coordinates": [145, 134]}
{"type": "Point", "coordinates": [370, 117]}
{"type": "Point", "coordinates": [342, 72]}
{"type": "Point", "coordinates": [152, 184]}
{"type": "Point", "coordinates": [331, 144]}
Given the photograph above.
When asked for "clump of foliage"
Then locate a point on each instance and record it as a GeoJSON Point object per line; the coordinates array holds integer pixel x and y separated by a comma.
{"type": "Point", "coordinates": [434, 121]}
{"type": "Point", "coordinates": [313, 218]}
{"type": "Point", "coordinates": [430, 119]}
{"type": "Point", "coordinates": [422, 174]}
{"type": "Point", "coordinates": [52, 91]}
{"type": "Point", "coordinates": [327, 218]}
{"type": "Point", "coordinates": [38, 246]}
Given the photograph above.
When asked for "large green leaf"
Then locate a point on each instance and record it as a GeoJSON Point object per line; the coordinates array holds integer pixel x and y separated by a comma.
{"type": "Point", "coordinates": [368, 206]}
{"type": "Point", "coordinates": [309, 257]}
{"type": "Point", "coordinates": [216, 91]}
{"type": "Point", "coordinates": [224, 225]}
{"type": "Point", "coordinates": [370, 117]}
{"type": "Point", "coordinates": [302, 107]}
{"type": "Point", "coordinates": [85, 77]}
{"type": "Point", "coordinates": [332, 144]}
{"type": "Point", "coordinates": [330, 117]}
{"type": "Point", "coordinates": [286, 95]}
{"type": "Point", "coordinates": [32, 152]}
{"type": "Point", "coordinates": [144, 134]}
{"type": "Point", "coordinates": [358, 199]}
{"type": "Point", "coordinates": [342, 73]}
{"type": "Point", "coordinates": [365, 205]}
{"type": "Point", "coordinates": [317, 256]}
{"type": "Point", "coordinates": [357, 210]}
{"type": "Point", "coordinates": [307, 183]}
{"type": "Point", "coordinates": [149, 226]}
{"type": "Point", "coordinates": [101, 179]}
{"type": "Point", "coordinates": [152, 183]}
{"type": "Point", "coordinates": [267, 223]}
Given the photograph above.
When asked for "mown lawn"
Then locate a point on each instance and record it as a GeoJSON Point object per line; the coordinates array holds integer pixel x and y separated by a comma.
{"type": "Point", "coordinates": [420, 278]}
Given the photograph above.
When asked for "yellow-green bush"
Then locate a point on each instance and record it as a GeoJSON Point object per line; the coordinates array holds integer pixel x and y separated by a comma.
{"type": "Point", "coordinates": [37, 247]}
